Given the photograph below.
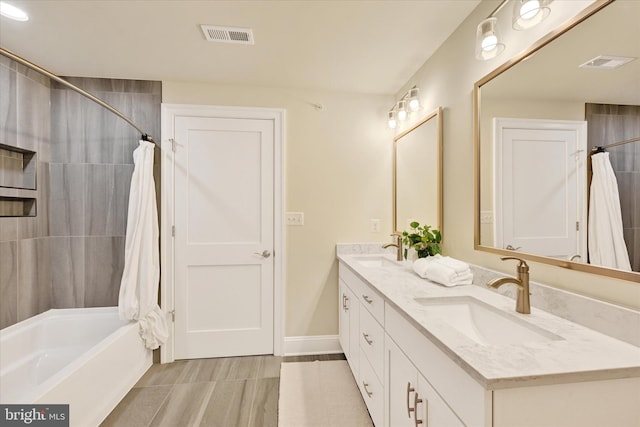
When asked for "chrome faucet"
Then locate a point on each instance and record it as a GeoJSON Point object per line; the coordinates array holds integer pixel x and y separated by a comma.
{"type": "Point", "coordinates": [398, 244]}
{"type": "Point", "coordinates": [523, 304]}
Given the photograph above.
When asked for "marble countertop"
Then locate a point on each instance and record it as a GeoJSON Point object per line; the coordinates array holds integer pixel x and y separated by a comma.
{"type": "Point", "coordinates": [576, 353]}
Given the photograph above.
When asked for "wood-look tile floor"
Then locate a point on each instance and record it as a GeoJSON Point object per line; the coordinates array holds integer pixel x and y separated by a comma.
{"type": "Point", "coordinates": [224, 392]}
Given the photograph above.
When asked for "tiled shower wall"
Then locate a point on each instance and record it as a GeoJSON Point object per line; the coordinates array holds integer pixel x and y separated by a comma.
{"type": "Point", "coordinates": [72, 253]}
{"type": "Point", "coordinates": [25, 268]}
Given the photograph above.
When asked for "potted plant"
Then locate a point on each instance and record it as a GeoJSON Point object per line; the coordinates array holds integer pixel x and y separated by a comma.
{"type": "Point", "coordinates": [423, 239]}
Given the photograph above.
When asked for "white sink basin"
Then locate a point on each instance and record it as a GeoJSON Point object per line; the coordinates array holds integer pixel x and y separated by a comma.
{"type": "Point", "coordinates": [376, 261]}
{"type": "Point", "coordinates": [483, 323]}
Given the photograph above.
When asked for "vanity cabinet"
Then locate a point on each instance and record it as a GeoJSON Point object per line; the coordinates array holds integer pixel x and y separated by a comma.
{"type": "Point", "coordinates": [411, 400]}
{"type": "Point", "coordinates": [349, 309]}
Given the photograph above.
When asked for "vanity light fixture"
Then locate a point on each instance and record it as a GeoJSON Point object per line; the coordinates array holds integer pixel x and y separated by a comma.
{"type": "Point", "coordinates": [10, 11]}
{"type": "Point", "coordinates": [488, 39]}
{"type": "Point", "coordinates": [400, 111]}
{"type": "Point", "coordinates": [392, 119]}
{"type": "Point", "coordinates": [526, 14]}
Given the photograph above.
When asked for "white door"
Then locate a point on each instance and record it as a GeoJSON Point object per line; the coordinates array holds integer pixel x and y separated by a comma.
{"type": "Point", "coordinates": [540, 187]}
{"type": "Point", "coordinates": [224, 236]}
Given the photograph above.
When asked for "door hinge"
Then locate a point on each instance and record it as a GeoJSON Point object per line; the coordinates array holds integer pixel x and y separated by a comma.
{"type": "Point", "coordinates": [173, 144]}
{"type": "Point", "coordinates": [173, 315]}
{"type": "Point", "coordinates": [577, 225]}
{"type": "Point", "coordinates": [173, 231]}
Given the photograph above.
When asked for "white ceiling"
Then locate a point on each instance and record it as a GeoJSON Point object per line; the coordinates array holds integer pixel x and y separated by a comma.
{"type": "Point", "coordinates": [351, 45]}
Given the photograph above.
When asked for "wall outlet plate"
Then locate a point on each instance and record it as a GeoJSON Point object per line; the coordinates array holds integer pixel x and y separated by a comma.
{"type": "Point", "coordinates": [486, 217]}
{"type": "Point", "coordinates": [295, 218]}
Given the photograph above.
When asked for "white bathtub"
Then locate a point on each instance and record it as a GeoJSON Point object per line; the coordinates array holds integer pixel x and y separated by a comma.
{"type": "Point", "coordinates": [85, 357]}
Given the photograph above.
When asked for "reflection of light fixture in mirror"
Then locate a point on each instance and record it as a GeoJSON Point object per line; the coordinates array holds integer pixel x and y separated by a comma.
{"type": "Point", "coordinates": [12, 12]}
{"type": "Point", "coordinates": [402, 110]}
{"type": "Point", "coordinates": [392, 119]}
{"type": "Point", "coordinates": [414, 102]}
{"type": "Point", "coordinates": [409, 103]}
{"type": "Point", "coordinates": [527, 13]}
{"type": "Point", "coordinates": [488, 39]}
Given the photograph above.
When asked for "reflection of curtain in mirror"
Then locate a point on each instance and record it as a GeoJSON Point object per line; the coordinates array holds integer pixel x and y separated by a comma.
{"type": "Point", "coordinates": [608, 124]}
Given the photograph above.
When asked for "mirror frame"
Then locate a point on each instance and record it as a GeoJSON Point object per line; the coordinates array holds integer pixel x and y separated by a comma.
{"type": "Point", "coordinates": [437, 115]}
{"type": "Point", "coordinates": [576, 266]}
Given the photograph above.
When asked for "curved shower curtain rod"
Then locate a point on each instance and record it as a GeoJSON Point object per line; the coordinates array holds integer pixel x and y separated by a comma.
{"type": "Point", "coordinates": [11, 55]}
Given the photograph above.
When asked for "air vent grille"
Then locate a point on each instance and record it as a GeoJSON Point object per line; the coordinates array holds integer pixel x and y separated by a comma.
{"type": "Point", "coordinates": [214, 33]}
{"type": "Point", "coordinates": [604, 62]}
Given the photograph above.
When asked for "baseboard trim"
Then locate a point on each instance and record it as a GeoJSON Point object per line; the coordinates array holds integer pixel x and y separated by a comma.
{"type": "Point", "coordinates": [306, 345]}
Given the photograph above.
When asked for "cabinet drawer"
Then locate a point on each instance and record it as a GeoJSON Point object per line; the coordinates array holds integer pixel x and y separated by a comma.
{"type": "Point", "coordinates": [369, 298]}
{"type": "Point", "coordinates": [372, 391]}
{"type": "Point", "coordinates": [372, 342]}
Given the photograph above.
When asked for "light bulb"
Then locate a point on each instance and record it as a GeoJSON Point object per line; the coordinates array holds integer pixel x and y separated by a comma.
{"type": "Point", "coordinates": [529, 9]}
{"type": "Point", "coordinates": [12, 12]}
{"type": "Point", "coordinates": [414, 104]}
{"type": "Point", "coordinates": [489, 42]}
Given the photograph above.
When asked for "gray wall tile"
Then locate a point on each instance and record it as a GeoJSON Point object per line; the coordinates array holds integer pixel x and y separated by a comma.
{"type": "Point", "coordinates": [66, 199]}
{"type": "Point", "coordinates": [67, 272]}
{"type": "Point", "coordinates": [34, 278]}
{"type": "Point", "coordinates": [8, 283]}
{"type": "Point", "coordinates": [104, 263]}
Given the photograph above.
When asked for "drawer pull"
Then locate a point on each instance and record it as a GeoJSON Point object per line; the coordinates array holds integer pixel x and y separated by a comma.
{"type": "Point", "coordinates": [366, 338]}
{"type": "Point", "coordinates": [366, 389]}
{"type": "Point", "coordinates": [416, 400]}
{"type": "Point", "coordinates": [344, 302]}
{"type": "Point", "coordinates": [367, 299]}
{"type": "Point", "coordinates": [409, 408]}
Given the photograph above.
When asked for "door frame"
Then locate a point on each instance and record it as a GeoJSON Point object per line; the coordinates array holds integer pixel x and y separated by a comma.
{"type": "Point", "coordinates": [167, 250]}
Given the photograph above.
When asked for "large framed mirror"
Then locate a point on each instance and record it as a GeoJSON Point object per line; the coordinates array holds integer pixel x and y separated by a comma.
{"type": "Point", "coordinates": [537, 121]}
{"type": "Point", "coordinates": [417, 175]}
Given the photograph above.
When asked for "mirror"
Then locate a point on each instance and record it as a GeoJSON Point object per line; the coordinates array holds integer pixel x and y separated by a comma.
{"type": "Point", "coordinates": [417, 194]}
{"type": "Point", "coordinates": [554, 109]}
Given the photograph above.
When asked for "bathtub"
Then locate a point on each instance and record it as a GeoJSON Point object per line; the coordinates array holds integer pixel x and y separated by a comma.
{"type": "Point", "coordinates": [85, 357]}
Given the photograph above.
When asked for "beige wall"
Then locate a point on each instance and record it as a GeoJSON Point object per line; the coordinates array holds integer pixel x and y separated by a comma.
{"type": "Point", "coordinates": [338, 171]}
{"type": "Point", "coordinates": [447, 79]}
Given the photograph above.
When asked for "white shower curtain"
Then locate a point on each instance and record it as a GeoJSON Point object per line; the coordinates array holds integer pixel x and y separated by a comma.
{"type": "Point", "coordinates": [606, 239]}
{"type": "Point", "coordinates": [139, 286]}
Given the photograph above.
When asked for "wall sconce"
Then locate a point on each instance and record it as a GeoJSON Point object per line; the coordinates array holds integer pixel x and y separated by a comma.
{"type": "Point", "coordinates": [526, 14]}
{"type": "Point", "coordinates": [408, 103]}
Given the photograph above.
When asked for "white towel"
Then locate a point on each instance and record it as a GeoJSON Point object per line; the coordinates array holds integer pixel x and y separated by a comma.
{"type": "Point", "coordinates": [457, 265]}
{"type": "Point", "coordinates": [606, 239]}
{"type": "Point", "coordinates": [438, 271]}
{"type": "Point", "coordinates": [139, 286]}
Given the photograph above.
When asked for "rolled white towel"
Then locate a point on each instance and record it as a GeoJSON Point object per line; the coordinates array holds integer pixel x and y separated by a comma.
{"type": "Point", "coordinates": [429, 268]}
{"type": "Point", "coordinates": [457, 265]}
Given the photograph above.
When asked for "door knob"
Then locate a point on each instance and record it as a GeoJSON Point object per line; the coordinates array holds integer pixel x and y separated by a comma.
{"type": "Point", "coordinates": [263, 254]}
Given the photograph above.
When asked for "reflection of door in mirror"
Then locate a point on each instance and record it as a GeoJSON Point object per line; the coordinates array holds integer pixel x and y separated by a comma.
{"type": "Point", "coordinates": [418, 174]}
{"type": "Point", "coordinates": [609, 124]}
{"type": "Point", "coordinates": [539, 167]}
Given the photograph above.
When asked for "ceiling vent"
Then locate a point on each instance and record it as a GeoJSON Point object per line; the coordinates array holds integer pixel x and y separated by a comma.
{"type": "Point", "coordinates": [214, 33]}
{"type": "Point", "coordinates": [605, 62]}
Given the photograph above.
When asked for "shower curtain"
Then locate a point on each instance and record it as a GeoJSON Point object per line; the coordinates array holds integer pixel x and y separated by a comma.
{"type": "Point", "coordinates": [139, 286]}
{"type": "Point", "coordinates": [606, 239]}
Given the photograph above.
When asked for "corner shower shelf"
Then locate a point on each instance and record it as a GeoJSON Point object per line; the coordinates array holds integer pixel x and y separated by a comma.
{"type": "Point", "coordinates": [17, 182]}
{"type": "Point", "coordinates": [17, 168]}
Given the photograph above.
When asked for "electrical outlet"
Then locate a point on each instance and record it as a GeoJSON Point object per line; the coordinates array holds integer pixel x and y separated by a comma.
{"type": "Point", "coordinates": [295, 218]}
{"type": "Point", "coordinates": [486, 217]}
{"type": "Point", "coordinates": [375, 225]}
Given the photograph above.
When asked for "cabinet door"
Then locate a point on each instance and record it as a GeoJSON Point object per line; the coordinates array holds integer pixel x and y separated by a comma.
{"type": "Point", "coordinates": [401, 384]}
{"type": "Point", "coordinates": [353, 308]}
{"type": "Point", "coordinates": [343, 319]}
{"type": "Point", "coordinates": [431, 409]}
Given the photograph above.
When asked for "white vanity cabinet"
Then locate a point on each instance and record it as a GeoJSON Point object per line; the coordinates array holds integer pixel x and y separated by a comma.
{"type": "Point", "coordinates": [349, 309]}
{"type": "Point", "coordinates": [410, 399]}
{"type": "Point", "coordinates": [362, 338]}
